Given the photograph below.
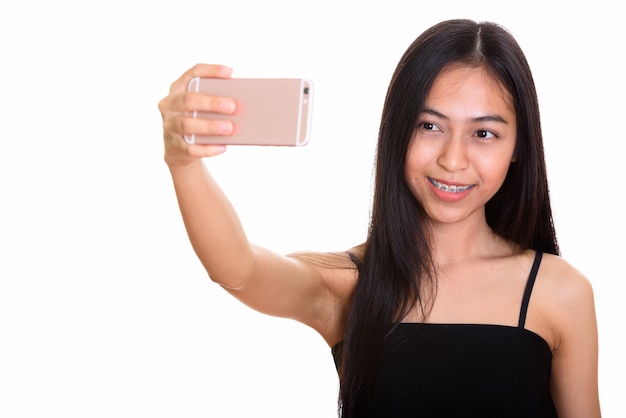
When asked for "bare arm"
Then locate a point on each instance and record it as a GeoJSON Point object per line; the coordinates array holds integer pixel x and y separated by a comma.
{"type": "Point", "coordinates": [213, 227]}
{"type": "Point", "coordinates": [575, 361]}
{"type": "Point", "coordinates": [287, 286]}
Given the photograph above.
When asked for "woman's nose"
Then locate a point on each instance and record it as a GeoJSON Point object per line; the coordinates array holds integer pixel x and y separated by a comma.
{"type": "Point", "coordinates": [453, 156]}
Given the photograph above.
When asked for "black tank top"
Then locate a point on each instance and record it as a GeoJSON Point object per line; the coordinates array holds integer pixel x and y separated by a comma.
{"type": "Point", "coordinates": [463, 370]}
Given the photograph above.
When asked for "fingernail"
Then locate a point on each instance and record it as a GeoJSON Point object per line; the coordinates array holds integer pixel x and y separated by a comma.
{"type": "Point", "coordinates": [227, 106]}
{"type": "Point", "coordinates": [225, 127]}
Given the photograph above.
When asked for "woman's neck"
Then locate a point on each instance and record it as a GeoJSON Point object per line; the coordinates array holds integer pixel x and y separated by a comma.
{"type": "Point", "coordinates": [466, 241]}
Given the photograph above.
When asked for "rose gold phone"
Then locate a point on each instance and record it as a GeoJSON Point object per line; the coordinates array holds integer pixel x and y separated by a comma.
{"type": "Point", "coordinates": [270, 111]}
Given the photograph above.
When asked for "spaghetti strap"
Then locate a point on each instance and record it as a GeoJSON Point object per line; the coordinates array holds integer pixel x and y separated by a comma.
{"type": "Point", "coordinates": [529, 288]}
{"type": "Point", "coordinates": [354, 259]}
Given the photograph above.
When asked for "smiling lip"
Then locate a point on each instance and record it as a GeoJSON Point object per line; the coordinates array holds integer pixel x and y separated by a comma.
{"type": "Point", "coordinates": [450, 192]}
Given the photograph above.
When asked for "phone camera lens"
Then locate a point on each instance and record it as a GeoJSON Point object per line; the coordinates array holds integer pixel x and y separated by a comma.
{"type": "Point", "coordinates": [306, 90]}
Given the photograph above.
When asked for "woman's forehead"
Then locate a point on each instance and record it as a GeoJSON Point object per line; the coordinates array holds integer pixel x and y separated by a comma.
{"type": "Point", "coordinates": [462, 88]}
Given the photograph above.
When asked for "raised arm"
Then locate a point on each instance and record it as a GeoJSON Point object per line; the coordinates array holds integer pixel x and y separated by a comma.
{"type": "Point", "coordinates": [312, 289]}
{"type": "Point", "coordinates": [211, 222]}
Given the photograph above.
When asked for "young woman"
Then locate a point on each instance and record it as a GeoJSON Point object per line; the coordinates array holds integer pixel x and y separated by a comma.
{"type": "Point", "coordinates": [458, 304]}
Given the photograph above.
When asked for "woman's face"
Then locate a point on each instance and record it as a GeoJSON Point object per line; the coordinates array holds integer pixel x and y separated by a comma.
{"type": "Point", "coordinates": [462, 145]}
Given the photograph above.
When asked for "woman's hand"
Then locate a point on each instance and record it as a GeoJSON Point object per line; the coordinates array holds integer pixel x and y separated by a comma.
{"type": "Point", "coordinates": [175, 110]}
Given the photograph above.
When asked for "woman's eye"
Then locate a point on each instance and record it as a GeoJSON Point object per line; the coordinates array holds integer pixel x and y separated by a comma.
{"type": "Point", "coordinates": [427, 126]}
{"type": "Point", "coordinates": [484, 134]}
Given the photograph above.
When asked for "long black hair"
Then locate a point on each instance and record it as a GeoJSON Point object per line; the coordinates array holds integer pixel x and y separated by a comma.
{"type": "Point", "coordinates": [397, 273]}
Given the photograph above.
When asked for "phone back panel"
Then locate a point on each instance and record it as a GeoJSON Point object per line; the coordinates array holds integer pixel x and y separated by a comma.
{"type": "Point", "coordinates": [270, 111]}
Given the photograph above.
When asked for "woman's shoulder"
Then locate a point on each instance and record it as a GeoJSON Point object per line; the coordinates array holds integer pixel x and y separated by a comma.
{"type": "Point", "coordinates": [338, 271]}
{"type": "Point", "coordinates": [563, 294]}
{"type": "Point", "coordinates": [565, 283]}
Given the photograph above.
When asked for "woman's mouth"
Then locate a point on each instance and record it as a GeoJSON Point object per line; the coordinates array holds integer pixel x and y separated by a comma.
{"type": "Point", "coordinates": [450, 188]}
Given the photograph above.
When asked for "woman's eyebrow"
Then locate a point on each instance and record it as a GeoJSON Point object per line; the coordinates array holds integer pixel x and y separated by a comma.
{"type": "Point", "coordinates": [485, 118]}
{"type": "Point", "coordinates": [489, 118]}
{"type": "Point", "coordinates": [433, 112]}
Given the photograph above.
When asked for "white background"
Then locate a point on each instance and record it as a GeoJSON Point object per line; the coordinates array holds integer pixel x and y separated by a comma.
{"type": "Point", "coordinates": [104, 309]}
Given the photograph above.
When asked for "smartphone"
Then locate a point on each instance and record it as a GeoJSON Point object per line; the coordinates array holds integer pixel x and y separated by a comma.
{"type": "Point", "coordinates": [270, 111]}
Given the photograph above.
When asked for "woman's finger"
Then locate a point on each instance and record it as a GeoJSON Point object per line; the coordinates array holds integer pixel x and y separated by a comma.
{"type": "Point", "coordinates": [181, 124]}
{"type": "Point", "coordinates": [200, 70]}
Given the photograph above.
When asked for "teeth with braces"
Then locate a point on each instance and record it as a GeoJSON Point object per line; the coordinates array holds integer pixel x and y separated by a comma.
{"type": "Point", "coordinates": [450, 189]}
